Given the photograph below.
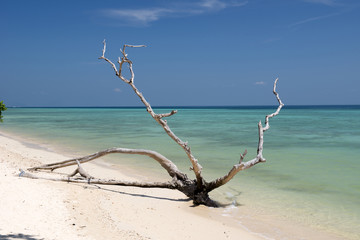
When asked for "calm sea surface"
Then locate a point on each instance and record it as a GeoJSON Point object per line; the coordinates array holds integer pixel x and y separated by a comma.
{"type": "Point", "coordinates": [312, 173]}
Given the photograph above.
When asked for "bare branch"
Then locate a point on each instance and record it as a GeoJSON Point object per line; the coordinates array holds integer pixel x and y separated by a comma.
{"type": "Point", "coordinates": [111, 63]}
{"type": "Point", "coordinates": [168, 165]}
{"type": "Point", "coordinates": [242, 156]}
{"type": "Point", "coordinates": [267, 126]}
{"type": "Point", "coordinates": [166, 114]}
{"type": "Point", "coordinates": [258, 159]}
{"type": "Point", "coordinates": [81, 171]}
{"type": "Point", "coordinates": [170, 185]}
{"type": "Point", "coordinates": [158, 117]}
{"type": "Point", "coordinates": [130, 68]}
{"type": "Point", "coordinates": [125, 59]}
{"type": "Point", "coordinates": [195, 165]}
{"type": "Point", "coordinates": [260, 143]}
{"type": "Point", "coordinates": [133, 46]}
{"type": "Point", "coordinates": [104, 48]}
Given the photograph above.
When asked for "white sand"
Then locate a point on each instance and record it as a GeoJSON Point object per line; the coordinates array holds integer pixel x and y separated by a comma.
{"type": "Point", "coordinates": [42, 209]}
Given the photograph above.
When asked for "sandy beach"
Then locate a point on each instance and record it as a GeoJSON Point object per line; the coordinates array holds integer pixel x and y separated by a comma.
{"type": "Point", "coordinates": [42, 209]}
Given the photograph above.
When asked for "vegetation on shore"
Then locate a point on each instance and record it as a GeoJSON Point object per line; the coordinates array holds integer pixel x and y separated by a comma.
{"type": "Point", "coordinates": [2, 108]}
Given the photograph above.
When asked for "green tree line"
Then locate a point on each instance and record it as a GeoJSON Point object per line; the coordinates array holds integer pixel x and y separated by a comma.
{"type": "Point", "coordinates": [2, 108]}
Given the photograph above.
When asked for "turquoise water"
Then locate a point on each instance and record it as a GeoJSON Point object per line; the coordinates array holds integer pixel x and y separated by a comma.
{"type": "Point", "coordinates": [311, 175]}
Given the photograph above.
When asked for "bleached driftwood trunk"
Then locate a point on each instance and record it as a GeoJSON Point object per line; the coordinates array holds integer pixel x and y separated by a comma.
{"type": "Point", "coordinates": [196, 189]}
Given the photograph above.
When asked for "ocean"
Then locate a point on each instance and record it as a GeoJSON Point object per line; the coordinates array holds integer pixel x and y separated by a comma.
{"type": "Point", "coordinates": [311, 176]}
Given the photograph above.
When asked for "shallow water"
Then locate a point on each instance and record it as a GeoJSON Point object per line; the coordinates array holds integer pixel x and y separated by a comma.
{"type": "Point", "coordinates": [311, 175]}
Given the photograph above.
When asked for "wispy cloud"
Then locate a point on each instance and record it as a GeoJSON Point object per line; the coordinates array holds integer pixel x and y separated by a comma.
{"type": "Point", "coordinates": [311, 19]}
{"type": "Point", "coordinates": [342, 8]}
{"type": "Point", "coordinates": [218, 5]}
{"type": "Point", "coordinates": [117, 90]}
{"type": "Point", "coordinates": [260, 83]}
{"type": "Point", "coordinates": [324, 2]}
{"type": "Point", "coordinates": [145, 16]}
{"type": "Point", "coordinates": [141, 16]}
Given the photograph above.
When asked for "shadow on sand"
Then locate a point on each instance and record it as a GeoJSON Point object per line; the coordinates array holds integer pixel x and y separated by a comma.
{"type": "Point", "coordinates": [19, 236]}
{"type": "Point", "coordinates": [136, 194]}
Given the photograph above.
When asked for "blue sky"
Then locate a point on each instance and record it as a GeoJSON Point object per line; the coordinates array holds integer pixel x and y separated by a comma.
{"type": "Point", "coordinates": [202, 52]}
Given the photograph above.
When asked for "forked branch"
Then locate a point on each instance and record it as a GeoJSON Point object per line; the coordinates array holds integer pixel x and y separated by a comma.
{"type": "Point", "coordinates": [259, 157]}
{"type": "Point", "coordinates": [168, 165]}
{"type": "Point", "coordinates": [169, 185]}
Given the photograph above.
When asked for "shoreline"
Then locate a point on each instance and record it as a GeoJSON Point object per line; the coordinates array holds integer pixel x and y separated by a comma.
{"type": "Point", "coordinates": [55, 210]}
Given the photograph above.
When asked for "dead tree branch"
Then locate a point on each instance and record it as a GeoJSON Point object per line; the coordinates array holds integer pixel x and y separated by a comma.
{"type": "Point", "coordinates": [92, 180]}
{"type": "Point", "coordinates": [259, 158]}
{"type": "Point", "coordinates": [196, 189]}
{"type": "Point", "coordinates": [168, 165]}
{"type": "Point", "coordinates": [158, 117]}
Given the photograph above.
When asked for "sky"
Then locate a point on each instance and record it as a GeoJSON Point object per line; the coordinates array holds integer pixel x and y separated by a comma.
{"type": "Point", "coordinates": [199, 53]}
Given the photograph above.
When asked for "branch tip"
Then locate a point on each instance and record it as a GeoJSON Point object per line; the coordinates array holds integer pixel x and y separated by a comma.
{"type": "Point", "coordinates": [242, 156]}
{"type": "Point", "coordinates": [21, 172]}
{"type": "Point", "coordinates": [104, 48]}
{"type": "Point", "coordinates": [134, 46]}
{"type": "Point", "coordinates": [166, 114]}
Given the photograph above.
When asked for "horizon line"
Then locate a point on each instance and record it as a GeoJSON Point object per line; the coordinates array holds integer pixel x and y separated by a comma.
{"type": "Point", "coordinates": [199, 106]}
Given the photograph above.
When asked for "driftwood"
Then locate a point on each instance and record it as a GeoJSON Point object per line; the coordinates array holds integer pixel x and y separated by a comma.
{"type": "Point", "coordinates": [196, 189]}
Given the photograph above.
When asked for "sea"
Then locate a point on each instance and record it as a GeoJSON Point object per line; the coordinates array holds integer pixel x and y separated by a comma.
{"type": "Point", "coordinates": [311, 176]}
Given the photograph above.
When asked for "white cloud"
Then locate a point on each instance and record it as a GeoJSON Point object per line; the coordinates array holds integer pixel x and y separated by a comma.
{"type": "Point", "coordinates": [260, 83]}
{"type": "Point", "coordinates": [219, 5]}
{"type": "Point", "coordinates": [117, 90]}
{"type": "Point", "coordinates": [138, 15]}
{"type": "Point", "coordinates": [213, 4]}
{"type": "Point", "coordinates": [147, 15]}
{"type": "Point", "coordinates": [325, 2]}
